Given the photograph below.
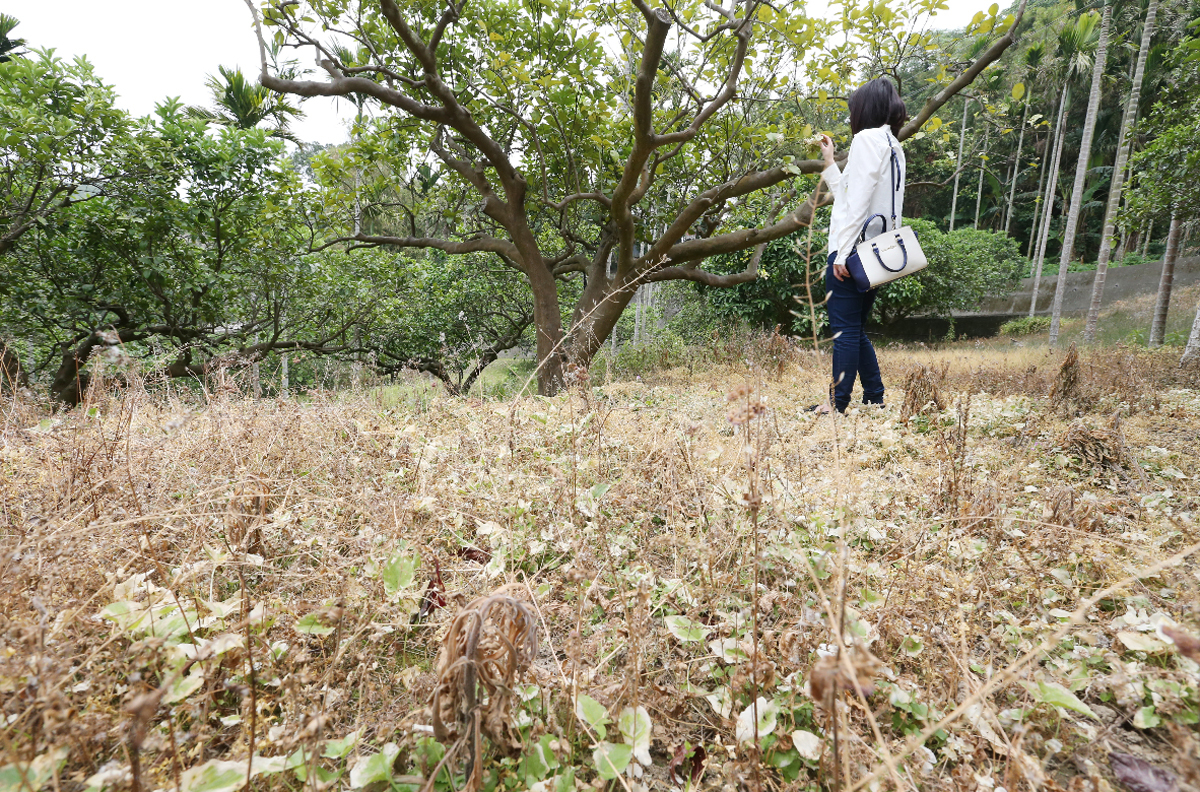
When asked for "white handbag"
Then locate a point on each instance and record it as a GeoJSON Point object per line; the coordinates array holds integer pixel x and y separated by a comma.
{"type": "Point", "coordinates": [890, 255]}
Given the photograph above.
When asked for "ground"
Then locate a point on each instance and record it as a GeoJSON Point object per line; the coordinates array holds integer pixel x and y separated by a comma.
{"type": "Point", "coordinates": [695, 580]}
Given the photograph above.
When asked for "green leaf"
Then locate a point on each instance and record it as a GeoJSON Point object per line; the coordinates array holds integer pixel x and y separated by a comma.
{"type": "Point", "coordinates": [216, 775]}
{"type": "Point", "coordinates": [1146, 718]}
{"type": "Point", "coordinates": [565, 782]}
{"type": "Point", "coordinates": [32, 776]}
{"type": "Point", "coordinates": [1058, 696]}
{"type": "Point", "coordinates": [269, 765]}
{"type": "Point", "coordinates": [312, 625]}
{"type": "Point", "coordinates": [685, 629]}
{"type": "Point", "coordinates": [1018, 91]}
{"type": "Point", "coordinates": [184, 686]}
{"type": "Point", "coordinates": [593, 714]}
{"type": "Point", "coordinates": [378, 767]}
{"type": "Point", "coordinates": [538, 761]}
{"type": "Point", "coordinates": [336, 749]}
{"type": "Point", "coordinates": [397, 574]}
{"type": "Point", "coordinates": [611, 760]}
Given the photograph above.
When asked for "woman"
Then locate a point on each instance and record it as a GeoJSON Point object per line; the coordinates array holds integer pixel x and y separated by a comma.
{"type": "Point", "coordinates": [862, 190]}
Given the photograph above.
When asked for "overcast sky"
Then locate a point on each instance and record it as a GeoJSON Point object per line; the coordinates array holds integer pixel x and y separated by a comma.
{"type": "Point", "coordinates": [151, 49]}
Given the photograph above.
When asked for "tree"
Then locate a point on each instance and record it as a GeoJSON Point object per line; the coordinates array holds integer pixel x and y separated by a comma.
{"type": "Point", "coordinates": [193, 270]}
{"type": "Point", "coordinates": [962, 139]}
{"type": "Point", "coordinates": [1033, 58]}
{"type": "Point", "coordinates": [1076, 43]}
{"type": "Point", "coordinates": [1081, 169]}
{"type": "Point", "coordinates": [1118, 177]}
{"type": "Point", "coordinates": [1162, 302]}
{"type": "Point", "coordinates": [9, 46]}
{"type": "Point", "coordinates": [63, 141]}
{"type": "Point", "coordinates": [965, 267]}
{"type": "Point", "coordinates": [1165, 180]}
{"type": "Point", "coordinates": [450, 316]}
{"type": "Point", "coordinates": [244, 105]}
{"type": "Point", "coordinates": [575, 157]}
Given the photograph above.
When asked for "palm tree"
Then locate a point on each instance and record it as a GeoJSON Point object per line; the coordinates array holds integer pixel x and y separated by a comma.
{"type": "Point", "coordinates": [1159, 324]}
{"type": "Point", "coordinates": [1081, 168]}
{"type": "Point", "coordinates": [1055, 156]}
{"type": "Point", "coordinates": [977, 46]}
{"type": "Point", "coordinates": [1033, 61]}
{"type": "Point", "coordinates": [242, 104]}
{"type": "Point", "coordinates": [8, 46]}
{"type": "Point", "coordinates": [1076, 44]}
{"type": "Point", "coordinates": [1118, 175]}
{"type": "Point", "coordinates": [958, 163]}
{"type": "Point", "coordinates": [983, 158]}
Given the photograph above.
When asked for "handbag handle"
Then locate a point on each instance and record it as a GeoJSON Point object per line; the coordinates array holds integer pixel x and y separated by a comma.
{"type": "Point", "coordinates": [862, 237]}
{"type": "Point", "coordinates": [883, 263]}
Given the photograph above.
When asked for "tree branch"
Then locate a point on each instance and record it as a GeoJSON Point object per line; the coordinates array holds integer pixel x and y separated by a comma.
{"type": "Point", "coordinates": [991, 55]}
{"type": "Point", "coordinates": [658, 25]}
{"type": "Point", "coordinates": [483, 244]}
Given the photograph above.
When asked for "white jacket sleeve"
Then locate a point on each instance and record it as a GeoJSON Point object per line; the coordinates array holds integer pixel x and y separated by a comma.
{"type": "Point", "coordinates": [855, 187]}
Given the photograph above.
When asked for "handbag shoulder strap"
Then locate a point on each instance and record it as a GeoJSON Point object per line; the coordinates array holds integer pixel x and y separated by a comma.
{"type": "Point", "coordinates": [894, 169]}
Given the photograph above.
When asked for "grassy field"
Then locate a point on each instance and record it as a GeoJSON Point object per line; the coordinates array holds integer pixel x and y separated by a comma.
{"type": "Point", "coordinates": [687, 580]}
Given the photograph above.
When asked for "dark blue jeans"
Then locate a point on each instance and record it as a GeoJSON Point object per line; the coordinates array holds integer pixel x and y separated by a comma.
{"type": "Point", "coordinates": [853, 354]}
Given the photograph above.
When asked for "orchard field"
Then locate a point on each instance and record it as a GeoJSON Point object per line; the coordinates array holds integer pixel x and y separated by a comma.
{"type": "Point", "coordinates": [686, 580]}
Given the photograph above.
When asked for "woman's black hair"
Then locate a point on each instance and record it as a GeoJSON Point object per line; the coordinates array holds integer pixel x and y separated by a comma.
{"type": "Point", "coordinates": [874, 104]}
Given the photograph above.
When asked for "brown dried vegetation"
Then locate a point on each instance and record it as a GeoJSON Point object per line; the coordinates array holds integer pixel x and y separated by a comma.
{"type": "Point", "coordinates": [189, 585]}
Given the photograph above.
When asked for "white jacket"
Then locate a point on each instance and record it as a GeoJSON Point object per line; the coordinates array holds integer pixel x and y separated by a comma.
{"type": "Point", "coordinates": [864, 189]}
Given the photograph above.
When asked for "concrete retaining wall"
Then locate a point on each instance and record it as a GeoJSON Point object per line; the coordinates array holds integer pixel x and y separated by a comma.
{"type": "Point", "coordinates": [1121, 283]}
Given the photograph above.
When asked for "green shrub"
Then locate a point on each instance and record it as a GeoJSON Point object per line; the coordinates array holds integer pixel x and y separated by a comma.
{"type": "Point", "coordinates": [965, 267]}
{"type": "Point", "coordinates": [1132, 259]}
{"type": "Point", "coordinates": [1027, 325]}
{"type": "Point", "coordinates": [778, 297]}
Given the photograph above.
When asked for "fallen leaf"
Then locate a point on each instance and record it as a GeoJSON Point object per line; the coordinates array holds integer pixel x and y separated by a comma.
{"type": "Point", "coordinates": [1140, 642]}
{"type": "Point", "coordinates": [766, 710]}
{"type": "Point", "coordinates": [808, 745]}
{"type": "Point", "coordinates": [475, 554]}
{"type": "Point", "coordinates": [1138, 775]}
{"type": "Point", "coordinates": [687, 764]}
{"type": "Point", "coordinates": [1187, 645]}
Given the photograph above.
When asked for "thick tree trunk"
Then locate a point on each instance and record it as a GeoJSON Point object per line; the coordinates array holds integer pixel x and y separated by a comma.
{"type": "Point", "coordinates": [1158, 327]}
{"type": "Point", "coordinates": [595, 318]}
{"type": "Point", "coordinates": [1012, 188]}
{"type": "Point", "coordinates": [12, 373]}
{"type": "Point", "coordinates": [1048, 200]}
{"type": "Point", "coordinates": [1118, 176]}
{"type": "Point", "coordinates": [547, 323]}
{"type": "Point", "coordinates": [962, 137]}
{"type": "Point", "coordinates": [70, 380]}
{"type": "Point", "coordinates": [1081, 168]}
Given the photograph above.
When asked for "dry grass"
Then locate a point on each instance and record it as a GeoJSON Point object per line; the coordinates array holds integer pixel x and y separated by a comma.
{"type": "Point", "coordinates": [187, 586]}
